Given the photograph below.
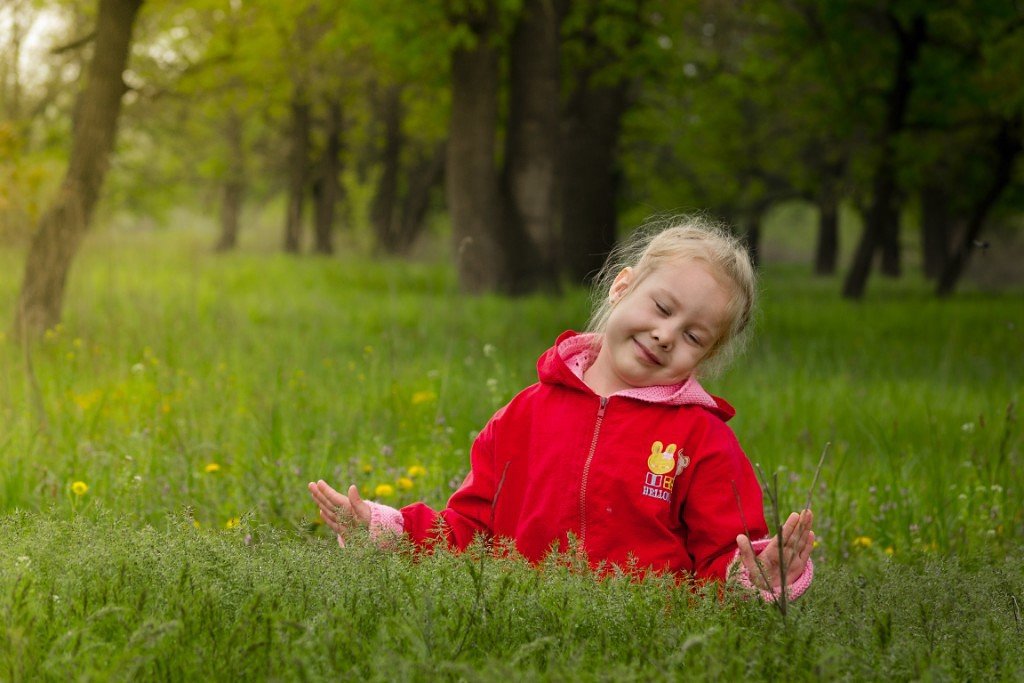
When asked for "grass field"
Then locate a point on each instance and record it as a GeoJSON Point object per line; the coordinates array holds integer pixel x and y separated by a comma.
{"type": "Point", "coordinates": [155, 448]}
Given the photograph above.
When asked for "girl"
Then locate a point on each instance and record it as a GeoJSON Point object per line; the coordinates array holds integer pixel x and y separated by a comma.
{"type": "Point", "coordinates": [618, 444]}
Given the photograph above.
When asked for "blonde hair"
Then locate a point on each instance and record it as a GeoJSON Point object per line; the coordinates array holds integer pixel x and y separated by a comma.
{"type": "Point", "coordinates": [695, 237]}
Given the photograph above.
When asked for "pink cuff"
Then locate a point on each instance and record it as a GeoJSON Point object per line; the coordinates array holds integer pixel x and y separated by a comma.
{"type": "Point", "coordinates": [385, 521]}
{"type": "Point", "coordinates": [793, 590]}
{"type": "Point", "coordinates": [386, 524]}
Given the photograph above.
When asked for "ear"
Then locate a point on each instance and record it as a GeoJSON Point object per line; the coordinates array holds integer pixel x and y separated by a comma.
{"type": "Point", "coordinates": [621, 283]}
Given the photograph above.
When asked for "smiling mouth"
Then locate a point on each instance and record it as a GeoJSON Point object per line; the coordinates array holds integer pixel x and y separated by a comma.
{"type": "Point", "coordinates": [646, 353]}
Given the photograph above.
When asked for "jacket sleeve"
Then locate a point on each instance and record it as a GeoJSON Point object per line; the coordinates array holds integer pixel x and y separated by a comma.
{"type": "Point", "coordinates": [723, 481]}
{"type": "Point", "coordinates": [469, 510]}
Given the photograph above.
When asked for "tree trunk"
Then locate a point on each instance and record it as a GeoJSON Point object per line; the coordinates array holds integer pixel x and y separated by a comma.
{"type": "Point", "coordinates": [531, 141]}
{"type": "Point", "coordinates": [752, 231]}
{"type": "Point", "coordinates": [234, 185]}
{"type": "Point", "coordinates": [1007, 146]}
{"type": "Point", "coordinates": [298, 173]}
{"type": "Point", "coordinates": [10, 99]}
{"type": "Point", "coordinates": [382, 211]}
{"type": "Point", "coordinates": [423, 176]}
{"type": "Point", "coordinates": [473, 190]}
{"type": "Point", "coordinates": [65, 222]}
{"type": "Point", "coordinates": [826, 255]}
{"type": "Point", "coordinates": [936, 228]}
{"type": "Point", "coordinates": [328, 188]}
{"type": "Point", "coordinates": [881, 227]}
{"type": "Point", "coordinates": [590, 177]}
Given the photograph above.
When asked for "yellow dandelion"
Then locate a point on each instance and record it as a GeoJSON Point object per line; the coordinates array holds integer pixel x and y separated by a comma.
{"type": "Point", "coordinates": [425, 396]}
{"type": "Point", "coordinates": [890, 551]}
{"type": "Point", "coordinates": [404, 483]}
{"type": "Point", "coordinates": [384, 491]}
{"type": "Point", "coordinates": [417, 471]}
{"type": "Point", "coordinates": [165, 407]}
{"type": "Point", "coordinates": [87, 400]}
{"type": "Point", "coordinates": [211, 467]}
{"type": "Point", "coordinates": [79, 488]}
{"type": "Point", "coordinates": [862, 542]}
{"type": "Point", "coordinates": [231, 523]}
{"type": "Point", "coordinates": [367, 468]}
{"type": "Point", "coordinates": [196, 524]}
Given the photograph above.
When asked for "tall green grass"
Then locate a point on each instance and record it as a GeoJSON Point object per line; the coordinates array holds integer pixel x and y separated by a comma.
{"type": "Point", "coordinates": [155, 448]}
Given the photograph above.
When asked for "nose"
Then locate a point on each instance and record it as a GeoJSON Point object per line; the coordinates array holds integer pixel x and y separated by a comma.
{"type": "Point", "coordinates": [662, 338]}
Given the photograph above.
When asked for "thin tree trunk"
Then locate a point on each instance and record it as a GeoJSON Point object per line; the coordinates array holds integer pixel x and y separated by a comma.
{"type": "Point", "coordinates": [1007, 145]}
{"type": "Point", "coordinates": [328, 188]}
{"type": "Point", "coordinates": [65, 222]}
{"type": "Point", "coordinates": [753, 234]}
{"type": "Point", "coordinates": [531, 141]}
{"type": "Point", "coordinates": [382, 211]}
{"type": "Point", "coordinates": [590, 178]}
{"type": "Point", "coordinates": [881, 227]}
{"type": "Point", "coordinates": [234, 185]}
{"type": "Point", "coordinates": [421, 180]}
{"type": "Point", "coordinates": [298, 173]}
{"type": "Point", "coordinates": [936, 229]}
{"type": "Point", "coordinates": [826, 255]}
{"type": "Point", "coordinates": [473, 190]}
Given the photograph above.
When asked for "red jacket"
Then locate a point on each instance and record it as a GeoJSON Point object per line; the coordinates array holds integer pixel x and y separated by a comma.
{"type": "Point", "coordinates": [629, 478]}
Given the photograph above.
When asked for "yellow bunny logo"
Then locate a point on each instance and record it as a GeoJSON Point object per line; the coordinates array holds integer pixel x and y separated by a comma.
{"type": "Point", "coordinates": [661, 461]}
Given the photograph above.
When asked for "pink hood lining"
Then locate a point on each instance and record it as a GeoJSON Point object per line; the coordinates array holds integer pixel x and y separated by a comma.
{"type": "Point", "coordinates": [580, 351]}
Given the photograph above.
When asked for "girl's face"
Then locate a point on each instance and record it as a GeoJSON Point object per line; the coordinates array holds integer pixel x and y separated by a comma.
{"type": "Point", "coordinates": [660, 331]}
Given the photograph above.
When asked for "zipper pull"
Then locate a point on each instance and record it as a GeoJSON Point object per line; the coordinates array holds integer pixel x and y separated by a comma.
{"type": "Point", "coordinates": [604, 404]}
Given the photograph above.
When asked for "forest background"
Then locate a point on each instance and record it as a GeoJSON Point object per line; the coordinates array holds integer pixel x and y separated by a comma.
{"type": "Point", "coordinates": [175, 367]}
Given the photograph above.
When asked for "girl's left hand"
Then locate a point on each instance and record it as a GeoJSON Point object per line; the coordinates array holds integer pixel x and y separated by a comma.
{"type": "Point", "coordinates": [340, 512]}
{"type": "Point", "coordinates": [797, 543]}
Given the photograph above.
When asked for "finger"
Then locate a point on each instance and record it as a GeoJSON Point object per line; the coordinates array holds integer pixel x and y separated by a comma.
{"type": "Point", "coordinates": [805, 554]}
{"type": "Point", "coordinates": [803, 531]}
{"type": "Point", "coordinates": [330, 494]}
{"type": "Point", "coordinates": [329, 499]}
{"type": "Point", "coordinates": [325, 504]}
{"type": "Point", "coordinates": [749, 560]}
{"type": "Point", "coordinates": [331, 521]}
{"type": "Point", "coordinates": [789, 527]}
{"type": "Point", "coordinates": [798, 564]}
{"type": "Point", "coordinates": [360, 509]}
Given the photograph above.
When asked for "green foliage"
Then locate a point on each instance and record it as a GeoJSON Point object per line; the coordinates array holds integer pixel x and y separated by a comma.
{"type": "Point", "coordinates": [170, 602]}
{"type": "Point", "coordinates": [154, 455]}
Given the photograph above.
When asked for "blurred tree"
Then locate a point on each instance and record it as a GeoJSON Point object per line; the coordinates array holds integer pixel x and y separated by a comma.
{"type": "Point", "coordinates": [65, 222]}
{"type": "Point", "coordinates": [36, 99]}
{"type": "Point", "coordinates": [532, 138]}
{"type": "Point", "coordinates": [908, 30]}
{"type": "Point", "coordinates": [606, 56]}
{"type": "Point", "coordinates": [405, 93]}
{"type": "Point", "coordinates": [483, 254]}
{"type": "Point", "coordinates": [326, 186]}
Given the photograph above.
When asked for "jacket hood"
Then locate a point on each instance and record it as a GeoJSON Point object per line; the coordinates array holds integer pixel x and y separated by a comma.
{"type": "Point", "coordinates": [565, 362]}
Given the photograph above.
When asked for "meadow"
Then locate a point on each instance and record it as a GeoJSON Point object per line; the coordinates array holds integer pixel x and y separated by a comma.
{"type": "Point", "coordinates": [155, 446]}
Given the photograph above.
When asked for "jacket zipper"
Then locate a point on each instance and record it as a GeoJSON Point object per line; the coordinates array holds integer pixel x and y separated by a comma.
{"type": "Point", "coordinates": [497, 492]}
{"type": "Point", "coordinates": [586, 472]}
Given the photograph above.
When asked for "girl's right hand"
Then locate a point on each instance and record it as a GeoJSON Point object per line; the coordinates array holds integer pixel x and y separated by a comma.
{"type": "Point", "coordinates": [339, 511]}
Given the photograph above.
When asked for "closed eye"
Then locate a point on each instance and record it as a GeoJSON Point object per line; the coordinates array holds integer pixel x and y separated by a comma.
{"type": "Point", "coordinates": [661, 309]}
{"type": "Point", "coordinates": [694, 339]}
